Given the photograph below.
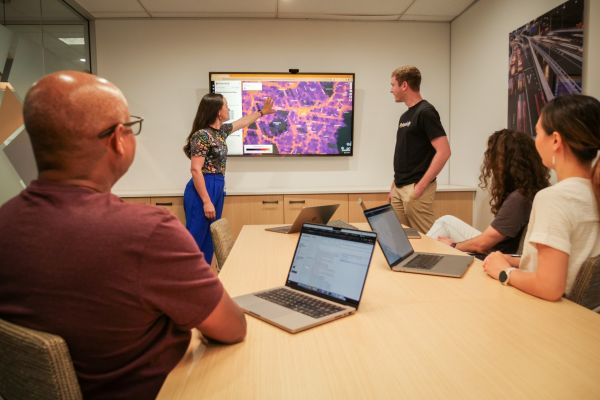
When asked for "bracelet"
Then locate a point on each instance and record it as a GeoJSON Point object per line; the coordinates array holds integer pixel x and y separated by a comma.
{"type": "Point", "coordinates": [453, 244]}
{"type": "Point", "coordinates": [261, 113]}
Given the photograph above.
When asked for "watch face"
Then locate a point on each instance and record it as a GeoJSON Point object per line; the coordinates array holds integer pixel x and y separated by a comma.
{"type": "Point", "coordinates": [503, 276]}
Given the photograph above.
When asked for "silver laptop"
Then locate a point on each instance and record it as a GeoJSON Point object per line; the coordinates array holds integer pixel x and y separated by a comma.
{"type": "Point", "coordinates": [400, 254]}
{"type": "Point", "coordinates": [412, 233]}
{"type": "Point", "coordinates": [325, 281]}
{"type": "Point", "coordinates": [315, 214]}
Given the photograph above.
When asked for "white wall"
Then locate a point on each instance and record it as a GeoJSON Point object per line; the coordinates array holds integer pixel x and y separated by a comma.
{"type": "Point", "coordinates": [479, 79]}
{"type": "Point", "coordinates": [162, 67]}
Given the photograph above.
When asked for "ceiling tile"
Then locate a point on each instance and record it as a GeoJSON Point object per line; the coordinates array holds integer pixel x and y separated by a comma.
{"type": "Point", "coordinates": [377, 10]}
{"type": "Point", "coordinates": [188, 14]}
{"type": "Point", "coordinates": [391, 17]}
{"type": "Point", "coordinates": [343, 7]}
{"type": "Point", "coordinates": [113, 8]}
{"type": "Point", "coordinates": [210, 7]}
{"type": "Point", "coordinates": [445, 8]}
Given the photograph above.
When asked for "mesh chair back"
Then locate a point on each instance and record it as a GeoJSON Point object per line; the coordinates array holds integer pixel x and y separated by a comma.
{"type": "Point", "coordinates": [223, 240]}
{"type": "Point", "coordinates": [35, 365]}
{"type": "Point", "coordinates": [586, 289]}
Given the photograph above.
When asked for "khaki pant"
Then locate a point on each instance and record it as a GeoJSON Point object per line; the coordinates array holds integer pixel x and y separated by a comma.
{"type": "Point", "coordinates": [417, 213]}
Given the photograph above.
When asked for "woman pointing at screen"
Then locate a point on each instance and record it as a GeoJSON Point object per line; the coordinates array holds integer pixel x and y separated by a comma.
{"type": "Point", "coordinates": [206, 148]}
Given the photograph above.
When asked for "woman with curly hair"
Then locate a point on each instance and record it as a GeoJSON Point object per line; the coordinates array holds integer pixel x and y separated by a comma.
{"type": "Point", "coordinates": [514, 173]}
{"type": "Point", "coordinates": [564, 227]}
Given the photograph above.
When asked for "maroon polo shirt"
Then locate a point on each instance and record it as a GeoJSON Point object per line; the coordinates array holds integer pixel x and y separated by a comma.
{"type": "Point", "coordinates": [122, 283]}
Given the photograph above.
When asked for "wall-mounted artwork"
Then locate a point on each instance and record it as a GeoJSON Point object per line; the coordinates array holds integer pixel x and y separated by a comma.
{"type": "Point", "coordinates": [545, 61]}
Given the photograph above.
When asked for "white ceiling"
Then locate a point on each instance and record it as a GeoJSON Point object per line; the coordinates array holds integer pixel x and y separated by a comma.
{"type": "Point", "coordinates": [376, 10]}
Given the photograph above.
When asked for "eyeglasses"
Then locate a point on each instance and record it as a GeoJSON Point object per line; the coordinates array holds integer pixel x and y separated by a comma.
{"type": "Point", "coordinates": [135, 125]}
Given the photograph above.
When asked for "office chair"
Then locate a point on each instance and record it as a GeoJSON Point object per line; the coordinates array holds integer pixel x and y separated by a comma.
{"type": "Point", "coordinates": [586, 288]}
{"type": "Point", "coordinates": [223, 240]}
{"type": "Point", "coordinates": [35, 365]}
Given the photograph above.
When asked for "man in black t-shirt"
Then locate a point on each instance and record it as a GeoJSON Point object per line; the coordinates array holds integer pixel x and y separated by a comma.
{"type": "Point", "coordinates": [421, 152]}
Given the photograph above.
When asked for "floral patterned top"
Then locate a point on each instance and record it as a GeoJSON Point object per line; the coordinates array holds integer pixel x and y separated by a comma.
{"type": "Point", "coordinates": [210, 144]}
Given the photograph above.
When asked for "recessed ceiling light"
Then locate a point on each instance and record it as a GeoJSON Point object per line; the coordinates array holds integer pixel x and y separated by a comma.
{"type": "Point", "coordinates": [72, 41]}
{"type": "Point", "coordinates": [82, 60]}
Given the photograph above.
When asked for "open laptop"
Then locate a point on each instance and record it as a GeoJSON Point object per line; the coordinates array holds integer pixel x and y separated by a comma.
{"type": "Point", "coordinates": [412, 233]}
{"type": "Point", "coordinates": [325, 281]}
{"type": "Point", "coordinates": [315, 214]}
{"type": "Point", "coordinates": [400, 254]}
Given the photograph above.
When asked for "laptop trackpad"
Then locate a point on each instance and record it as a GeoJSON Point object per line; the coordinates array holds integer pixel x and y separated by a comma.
{"type": "Point", "coordinates": [271, 310]}
{"type": "Point", "coordinates": [261, 307]}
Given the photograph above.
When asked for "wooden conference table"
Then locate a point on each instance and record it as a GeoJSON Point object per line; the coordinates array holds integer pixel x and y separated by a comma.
{"type": "Point", "coordinates": [413, 337]}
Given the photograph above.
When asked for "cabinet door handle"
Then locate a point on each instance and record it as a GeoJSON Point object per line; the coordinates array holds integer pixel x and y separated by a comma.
{"type": "Point", "coordinates": [297, 201]}
{"type": "Point", "coordinates": [169, 204]}
{"type": "Point", "coordinates": [270, 201]}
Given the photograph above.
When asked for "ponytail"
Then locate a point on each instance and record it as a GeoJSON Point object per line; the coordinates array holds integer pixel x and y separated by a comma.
{"type": "Point", "coordinates": [577, 118]}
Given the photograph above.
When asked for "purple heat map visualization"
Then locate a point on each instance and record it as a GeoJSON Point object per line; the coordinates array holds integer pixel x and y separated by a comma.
{"type": "Point", "coordinates": [310, 118]}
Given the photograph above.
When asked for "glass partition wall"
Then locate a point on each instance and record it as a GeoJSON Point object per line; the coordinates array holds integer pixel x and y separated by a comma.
{"type": "Point", "coordinates": [43, 36]}
{"type": "Point", "coordinates": [36, 37]}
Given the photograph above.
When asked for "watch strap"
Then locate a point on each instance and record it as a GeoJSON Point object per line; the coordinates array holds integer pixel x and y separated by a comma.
{"type": "Point", "coordinates": [505, 275]}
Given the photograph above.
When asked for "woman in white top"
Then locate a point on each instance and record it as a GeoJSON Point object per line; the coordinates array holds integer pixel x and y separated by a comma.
{"type": "Point", "coordinates": [564, 227]}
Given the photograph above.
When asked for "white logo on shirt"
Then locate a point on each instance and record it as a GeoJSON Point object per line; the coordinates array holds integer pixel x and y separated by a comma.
{"type": "Point", "coordinates": [404, 124]}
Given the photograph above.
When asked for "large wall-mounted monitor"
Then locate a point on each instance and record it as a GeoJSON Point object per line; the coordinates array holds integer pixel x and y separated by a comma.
{"type": "Point", "coordinates": [314, 117]}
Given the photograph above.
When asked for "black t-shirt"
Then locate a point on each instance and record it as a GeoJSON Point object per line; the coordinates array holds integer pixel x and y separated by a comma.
{"type": "Point", "coordinates": [511, 219]}
{"type": "Point", "coordinates": [418, 126]}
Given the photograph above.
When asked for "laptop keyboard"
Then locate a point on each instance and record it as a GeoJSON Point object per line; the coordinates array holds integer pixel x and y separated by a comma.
{"type": "Point", "coordinates": [423, 261]}
{"type": "Point", "coordinates": [338, 223]}
{"type": "Point", "coordinates": [298, 302]}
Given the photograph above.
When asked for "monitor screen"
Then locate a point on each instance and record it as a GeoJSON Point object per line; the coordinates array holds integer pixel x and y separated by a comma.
{"type": "Point", "coordinates": [314, 112]}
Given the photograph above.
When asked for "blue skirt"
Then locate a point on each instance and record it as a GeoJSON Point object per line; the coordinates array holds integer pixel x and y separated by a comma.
{"type": "Point", "coordinates": [195, 221]}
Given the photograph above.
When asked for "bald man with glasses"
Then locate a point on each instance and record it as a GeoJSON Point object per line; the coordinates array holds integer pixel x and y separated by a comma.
{"type": "Point", "coordinates": [123, 284]}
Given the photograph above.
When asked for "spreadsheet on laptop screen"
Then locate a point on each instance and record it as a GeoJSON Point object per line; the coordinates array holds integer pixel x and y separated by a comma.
{"type": "Point", "coordinates": [331, 266]}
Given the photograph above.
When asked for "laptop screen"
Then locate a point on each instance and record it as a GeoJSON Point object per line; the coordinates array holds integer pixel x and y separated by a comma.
{"type": "Point", "coordinates": [332, 262]}
{"type": "Point", "coordinates": [392, 239]}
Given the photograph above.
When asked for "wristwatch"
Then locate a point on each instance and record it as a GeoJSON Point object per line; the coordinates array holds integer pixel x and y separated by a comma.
{"type": "Point", "coordinates": [505, 275]}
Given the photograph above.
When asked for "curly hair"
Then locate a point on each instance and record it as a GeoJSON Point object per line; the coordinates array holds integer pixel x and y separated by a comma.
{"type": "Point", "coordinates": [511, 163]}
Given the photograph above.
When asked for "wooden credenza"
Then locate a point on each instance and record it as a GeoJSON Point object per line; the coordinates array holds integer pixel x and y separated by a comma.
{"type": "Point", "coordinates": [172, 203]}
{"type": "Point", "coordinates": [243, 210]}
